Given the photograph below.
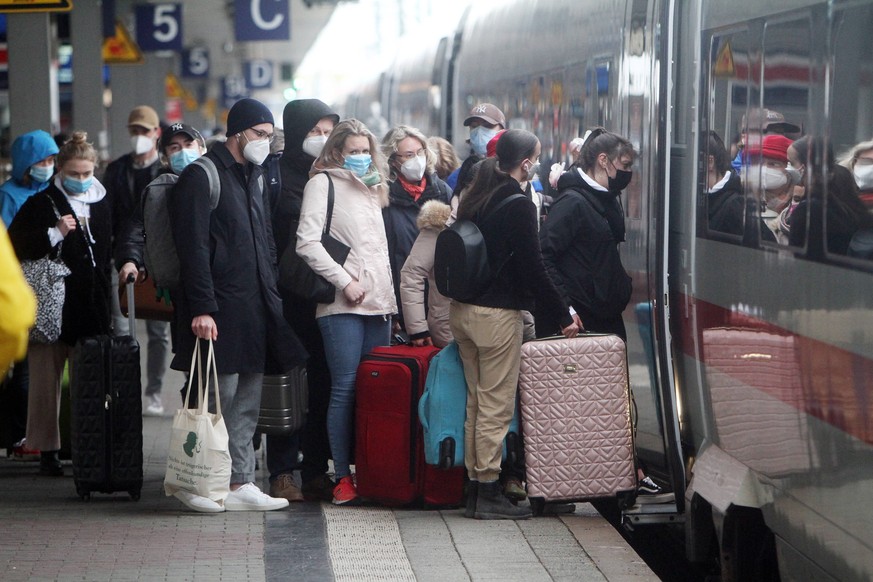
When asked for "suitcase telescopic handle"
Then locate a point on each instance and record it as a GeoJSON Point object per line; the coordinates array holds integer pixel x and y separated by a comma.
{"type": "Point", "coordinates": [131, 316]}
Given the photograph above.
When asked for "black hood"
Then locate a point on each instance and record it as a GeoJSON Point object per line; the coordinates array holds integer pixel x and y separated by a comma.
{"type": "Point", "coordinates": [610, 205]}
{"type": "Point", "coordinates": [299, 117]}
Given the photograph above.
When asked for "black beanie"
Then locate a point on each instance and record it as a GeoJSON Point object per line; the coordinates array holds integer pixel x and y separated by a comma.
{"type": "Point", "coordinates": [247, 113]}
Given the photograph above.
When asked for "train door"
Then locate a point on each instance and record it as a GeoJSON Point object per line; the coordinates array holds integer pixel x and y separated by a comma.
{"type": "Point", "coordinates": [646, 69]}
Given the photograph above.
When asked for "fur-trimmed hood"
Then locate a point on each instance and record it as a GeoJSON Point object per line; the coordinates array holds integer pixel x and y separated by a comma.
{"type": "Point", "coordinates": [433, 214]}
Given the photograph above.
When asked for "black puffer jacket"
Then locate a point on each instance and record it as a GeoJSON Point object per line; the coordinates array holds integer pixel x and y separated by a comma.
{"type": "Point", "coordinates": [580, 248]}
{"type": "Point", "coordinates": [401, 227]}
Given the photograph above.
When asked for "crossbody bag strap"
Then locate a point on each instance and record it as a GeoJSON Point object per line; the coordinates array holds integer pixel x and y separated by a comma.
{"type": "Point", "coordinates": [330, 199]}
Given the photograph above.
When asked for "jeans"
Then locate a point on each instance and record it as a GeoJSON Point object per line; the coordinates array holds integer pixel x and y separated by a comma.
{"type": "Point", "coordinates": [158, 346]}
{"type": "Point", "coordinates": [240, 405]}
{"type": "Point", "coordinates": [282, 454]}
{"type": "Point", "coordinates": [347, 338]}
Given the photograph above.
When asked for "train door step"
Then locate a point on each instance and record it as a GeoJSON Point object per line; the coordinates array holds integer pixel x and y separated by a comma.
{"type": "Point", "coordinates": [652, 509]}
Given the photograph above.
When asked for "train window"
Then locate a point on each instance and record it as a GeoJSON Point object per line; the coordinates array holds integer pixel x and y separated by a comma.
{"type": "Point", "coordinates": [599, 93]}
{"type": "Point", "coordinates": [848, 225]}
{"type": "Point", "coordinates": [769, 175]}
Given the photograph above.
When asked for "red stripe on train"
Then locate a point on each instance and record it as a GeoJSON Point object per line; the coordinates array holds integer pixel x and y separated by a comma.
{"type": "Point", "coordinates": [834, 385]}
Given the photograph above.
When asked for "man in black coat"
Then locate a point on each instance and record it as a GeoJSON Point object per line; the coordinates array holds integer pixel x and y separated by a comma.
{"type": "Point", "coordinates": [228, 294]}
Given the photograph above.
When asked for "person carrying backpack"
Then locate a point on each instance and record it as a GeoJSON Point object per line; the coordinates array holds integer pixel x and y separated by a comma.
{"type": "Point", "coordinates": [488, 325]}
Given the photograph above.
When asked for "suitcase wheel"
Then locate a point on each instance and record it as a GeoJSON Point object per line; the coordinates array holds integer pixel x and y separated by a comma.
{"type": "Point", "coordinates": [83, 493]}
{"type": "Point", "coordinates": [626, 499]}
{"type": "Point", "coordinates": [134, 494]}
{"type": "Point", "coordinates": [537, 505]}
{"type": "Point", "coordinates": [447, 453]}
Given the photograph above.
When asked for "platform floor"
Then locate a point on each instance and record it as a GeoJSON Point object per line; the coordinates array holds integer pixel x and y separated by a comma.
{"type": "Point", "coordinates": [48, 533]}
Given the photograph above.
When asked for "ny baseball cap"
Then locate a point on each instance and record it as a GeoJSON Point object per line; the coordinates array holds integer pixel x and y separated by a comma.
{"type": "Point", "coordinates": [488, 113]}
{"type": "Point", "coordinates": [175, 130]}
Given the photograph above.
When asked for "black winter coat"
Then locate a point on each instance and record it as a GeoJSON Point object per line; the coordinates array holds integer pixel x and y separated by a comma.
{"type": "Point", "coordinates": [401, 228]}
{"type": "Point", "coordinates": [725, 207]}
{"type": "Point", "coordinates": [228, 265]}
{"type": "Point", "coordinates": [580, 249]}
{"type": "Point", "coordinates": [87, 288]}
{"type": "Point", "coordinates": [521, 281]}
{"type": "Point", "coordinates": [124, 185]}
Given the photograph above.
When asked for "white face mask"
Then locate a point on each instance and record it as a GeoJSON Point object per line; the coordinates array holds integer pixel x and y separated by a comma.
{"type": "Point", "coordinates": [759, 178]}
{"type": "Point", "coordinates": [864, 177]}
{"type": "Point", "coordinates": [257, 151]}
{"type": "Point", "coordinates": [141, 144]}
{"type": "Point", "coordinates": [314, 145]}
{"type": "Point", "coordinates": [413, 170]}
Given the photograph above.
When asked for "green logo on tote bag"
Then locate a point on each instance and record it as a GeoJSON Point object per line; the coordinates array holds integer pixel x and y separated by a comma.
{"type": "Point", "coordinates": [191, 446]}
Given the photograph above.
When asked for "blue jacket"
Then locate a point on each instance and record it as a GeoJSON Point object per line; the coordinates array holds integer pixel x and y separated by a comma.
{"type": "Point", "coordinates": [27, 150]}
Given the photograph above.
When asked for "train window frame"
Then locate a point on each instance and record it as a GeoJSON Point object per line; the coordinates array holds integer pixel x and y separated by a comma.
{"type": "Point", "coordinates": [719, 118]}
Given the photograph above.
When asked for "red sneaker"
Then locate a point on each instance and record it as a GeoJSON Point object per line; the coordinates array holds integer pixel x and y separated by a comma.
{"type": "Point", "coordinates": [345, 492]}
{"type": "Point", "coordinates": [20, 452]}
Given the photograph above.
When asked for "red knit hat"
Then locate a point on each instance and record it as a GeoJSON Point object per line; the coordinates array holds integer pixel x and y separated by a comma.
{"type": "Point", "coordinates": [773, 146]}
{"type": "Point", "coordinates": [491, 148]}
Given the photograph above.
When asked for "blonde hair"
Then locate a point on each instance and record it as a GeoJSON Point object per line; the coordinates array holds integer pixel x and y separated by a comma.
{"type": "Point", "coordinates": [332, 154]}
{"type": "Point", "coordinates": [396, 135]}
{"type": "Point", "coordinates": [849, 159]}
{"type": "Point", "coordinates": [447, 160]}
{"type": "Point", "coordinates": [77, 148]}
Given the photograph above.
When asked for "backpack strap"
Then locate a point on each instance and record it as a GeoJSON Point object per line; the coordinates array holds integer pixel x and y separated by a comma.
{"type": "Point", "coordinates": [500, 205]}
{"type": "Point", "coordinates": [212, 176]}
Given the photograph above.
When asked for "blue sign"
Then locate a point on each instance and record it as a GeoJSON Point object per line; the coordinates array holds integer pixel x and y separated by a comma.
{"type": "Point", "coordinates": [262, 19]}
{"type": "Point", "coordinates": [195, 62]}
{"type": "Point", "coordinates": [233, 88]}
{"type": "Point", "coordinates": [159, 27]}
{"type": "Point", "coordinates": [258, 74]}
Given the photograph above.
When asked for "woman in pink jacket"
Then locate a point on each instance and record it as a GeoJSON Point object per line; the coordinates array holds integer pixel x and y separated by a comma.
{"type": "Point", "coordinates": [359, 318]}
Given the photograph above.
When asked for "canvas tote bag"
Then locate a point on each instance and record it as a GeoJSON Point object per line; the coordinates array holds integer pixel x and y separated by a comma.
{"type": "Point", "coordinates": [198, 460]}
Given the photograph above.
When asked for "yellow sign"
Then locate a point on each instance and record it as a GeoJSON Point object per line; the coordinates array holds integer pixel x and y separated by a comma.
{"type": "Point", "coordinates": [174, 87]}
{"type": "Point", "coordinates": [121, 48]}
{"type": "Point", "coordinates": [724, 62]}
{"type": "Point", "coordinates": [36, 5]}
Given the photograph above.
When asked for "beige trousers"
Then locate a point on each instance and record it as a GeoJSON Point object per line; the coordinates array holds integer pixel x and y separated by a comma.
{"type": "Point", "coordinates": [44, 394]}
{"type": "Point", "coordinates": [489, 341]}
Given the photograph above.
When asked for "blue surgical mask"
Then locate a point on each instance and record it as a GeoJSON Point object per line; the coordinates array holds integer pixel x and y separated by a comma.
{"type": "Point", "coordinates": [74, 186]}
{"type": "Point", "coordinates": [358, 164]}
{"type": "Point", "coordinates": [479, 138]}
{"type": "Point", "coordinates": [180, 160]}
{"type": "Point", "coordinates": [41, 174]}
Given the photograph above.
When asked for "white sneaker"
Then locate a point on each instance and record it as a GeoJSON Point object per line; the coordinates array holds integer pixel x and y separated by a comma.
{"type": "Point", "coordinates": [198, 503]}
{"type": "Point", "coordinates": [250, 498]}
{"type": "Point", "coordinates": [155, 406]}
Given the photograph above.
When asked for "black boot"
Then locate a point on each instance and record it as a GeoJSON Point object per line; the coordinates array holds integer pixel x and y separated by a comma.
{"type": "Point", "coordinates": [472, 495]}
{"type": "Point", "coordinates": [492, 504]}
{"type": "Point", "coordinates": [50, 465]}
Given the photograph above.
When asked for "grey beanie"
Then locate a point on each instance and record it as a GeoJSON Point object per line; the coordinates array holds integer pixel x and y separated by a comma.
{"type": "Point", "coordinates": [247, 113]}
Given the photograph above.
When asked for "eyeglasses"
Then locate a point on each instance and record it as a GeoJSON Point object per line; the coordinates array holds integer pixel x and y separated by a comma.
{"type": "Point", "coordinates": [409, 155]}
{"type": "Point", "coordinates": [263, 134]}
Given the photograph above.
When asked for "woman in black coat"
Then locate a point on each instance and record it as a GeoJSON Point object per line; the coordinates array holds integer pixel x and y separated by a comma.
{"type": "Point", "coordinates": [581, 236]}
{"type": "Point", "coordinates": [72, 217]}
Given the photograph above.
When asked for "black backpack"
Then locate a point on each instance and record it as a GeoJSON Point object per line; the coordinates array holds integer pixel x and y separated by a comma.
{"type": "Point", "coordinates": [461, 268]}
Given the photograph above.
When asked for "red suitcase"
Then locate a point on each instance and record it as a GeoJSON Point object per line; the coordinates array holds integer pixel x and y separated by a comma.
{"type": "Point", "coordinates": [389, 446]}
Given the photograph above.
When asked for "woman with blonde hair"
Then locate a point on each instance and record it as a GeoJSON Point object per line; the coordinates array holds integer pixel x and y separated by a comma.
{"type": "Point", "coordinates": [447, 160]}
{"type": "Point", "coordinates": [71, 218]}
{"type": "Point", "coordinates": [412, 184]}
{"type": "Point", "coordinates": [351, 169]}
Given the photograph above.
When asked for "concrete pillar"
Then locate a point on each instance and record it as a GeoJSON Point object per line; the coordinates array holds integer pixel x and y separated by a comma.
{"type": "Point", "coordinates": [134, 85]}
{"type": "Point", "coordinates": [87, 39]}
{"type": "Point", "coordinates": [33, 74]}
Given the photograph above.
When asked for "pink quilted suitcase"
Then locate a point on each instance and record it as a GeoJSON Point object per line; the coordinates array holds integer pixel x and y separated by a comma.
{"type": "Point", "coordinates": [575, 411]}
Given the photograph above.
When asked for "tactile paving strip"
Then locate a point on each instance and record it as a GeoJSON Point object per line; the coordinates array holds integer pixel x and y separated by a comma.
{"type": "Point", "coordinates": [365, 545]}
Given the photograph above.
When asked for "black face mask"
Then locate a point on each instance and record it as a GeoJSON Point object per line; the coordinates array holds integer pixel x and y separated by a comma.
{"type": "Point", "coordinates": [621, 180]}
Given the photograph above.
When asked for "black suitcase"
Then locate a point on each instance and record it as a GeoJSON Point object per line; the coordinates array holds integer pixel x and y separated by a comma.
{"type": "Point", "coordinates": [284, 403]}
{"type": "Point", "coordinates": [106, 416]}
